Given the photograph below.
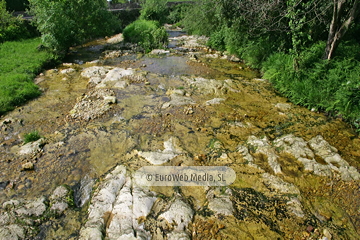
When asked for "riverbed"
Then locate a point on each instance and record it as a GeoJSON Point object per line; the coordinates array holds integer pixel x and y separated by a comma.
{"type": "Point", "coordinates": [108, 111]}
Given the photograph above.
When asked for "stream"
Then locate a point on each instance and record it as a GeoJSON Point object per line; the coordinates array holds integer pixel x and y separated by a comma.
{"type": "Point", "coordinates": [108, 111]}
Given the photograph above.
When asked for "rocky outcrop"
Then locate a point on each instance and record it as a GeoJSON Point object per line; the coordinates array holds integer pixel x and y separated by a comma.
{"type": "Point", "coordinates": [116, 207]}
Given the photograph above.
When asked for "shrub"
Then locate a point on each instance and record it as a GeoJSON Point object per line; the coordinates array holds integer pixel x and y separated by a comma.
{"type": "Point", "coordinates": [178, 13]}
{"type": "Point", "coordinates": [31, 137]}
{"type": "Point", "coordinates": [148, 34]}
{"type": "Point", "coordinates": [202, 18]}
{"type": "Point", "coordinates": [12, 28]}
{"type": "Point", "coordinates": [70, 22]}
{"type": "Point", "coordinates": [154, 10]}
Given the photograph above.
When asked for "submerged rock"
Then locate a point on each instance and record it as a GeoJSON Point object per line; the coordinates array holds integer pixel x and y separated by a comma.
{"type": "Point", "coordinates": [220, 202]}
{"type": "Point", "coordinates": [93, 104]}
{"type": "Point", "coordinates": [32, 147]}
{"type": "Point", "coordinates": [164, 156]}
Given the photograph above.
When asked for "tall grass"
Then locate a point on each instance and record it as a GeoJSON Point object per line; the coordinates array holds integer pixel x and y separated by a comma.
{"type": "Point", "coordinates": [20, 61]}
{"type": "Point", "coordinates": [332, 86]}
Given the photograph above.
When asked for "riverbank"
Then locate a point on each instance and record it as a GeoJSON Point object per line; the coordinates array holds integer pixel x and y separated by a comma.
{"type": "Point", "coordinates": [20, 62]}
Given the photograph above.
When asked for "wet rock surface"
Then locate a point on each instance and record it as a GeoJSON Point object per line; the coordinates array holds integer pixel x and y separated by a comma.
{"type": "Point", "coordinates": [106, 117]}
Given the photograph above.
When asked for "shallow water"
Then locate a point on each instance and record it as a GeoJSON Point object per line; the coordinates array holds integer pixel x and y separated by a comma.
{"type": "Point", "coordinates": [169, 100]}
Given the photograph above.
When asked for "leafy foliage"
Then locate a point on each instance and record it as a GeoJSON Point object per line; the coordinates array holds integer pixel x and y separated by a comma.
{"type": "Point", "coordinates": [154, 10]}
{"type": "Point", "coordinates": [31, 136]}
{"type": "Point", "coordinates": [12, 28]}
{"type": "Point", "coordinates": [65, 23]}
{"type": "Point", "coordinates": [148, 34]}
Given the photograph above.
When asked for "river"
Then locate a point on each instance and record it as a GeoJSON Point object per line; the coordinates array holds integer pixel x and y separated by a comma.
{"type": "Point", "coordinates": [108, 111]}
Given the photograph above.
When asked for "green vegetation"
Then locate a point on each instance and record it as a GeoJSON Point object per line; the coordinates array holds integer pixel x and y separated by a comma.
{"type": "Point", "coordinates": [19, 63]}
{"type": "Point", "coordinates": [67, 23]}
{"type": "Point", "coordinates": [154, 10]}
{"type": "Point", "coordinates": [148, 34]}
{"type": "Point", "coordinates": [13, 28]}
{"type": "Point", "coordinates": [309, 50]}
{"type": "Point", "coordinates": [31, 137]}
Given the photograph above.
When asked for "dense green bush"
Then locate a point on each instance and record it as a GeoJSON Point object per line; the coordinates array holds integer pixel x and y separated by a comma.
{"type": "Point", "coordinates": [20, 61]}
{"type": "Point", "coordinates": [202, 18]}
{"type": "Point", "coordinates": [13, 28]}
{"type": "Point", "coordinates": [154, 10]}
{"type": "Point", "coordinates": [70, 22]}
{"type": "Point", "coordinates": [178, 12]}
{"type": "Point", "coordinates": [148, 34]}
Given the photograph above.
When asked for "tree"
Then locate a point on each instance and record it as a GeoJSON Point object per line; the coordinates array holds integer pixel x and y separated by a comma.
{"type": "Point", "coordinates": [344, 14]}
{"type": "Point", "coordinates": [65, 23]}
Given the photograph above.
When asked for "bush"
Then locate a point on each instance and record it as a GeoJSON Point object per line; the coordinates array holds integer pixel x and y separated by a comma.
{"type": "Point", "coordinates": [13, 28]}
{"type": "Point", "coordinates": [148, 34]}
{"type": "Point", "coordinates": [70, 22]}
{"type": "Point", "coordinates": [178, 13]}
{"type": "Point", "coordinates": [202, 18]}
{"type": "Point", "coordinates": [31, 137]}
{"type": "Point", "coordinates": [154, 10]}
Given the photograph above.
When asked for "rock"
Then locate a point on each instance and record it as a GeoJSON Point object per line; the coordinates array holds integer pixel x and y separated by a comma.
{"type": "Point", "coordinates": [67, 71]}
{"type": "Point", "coordinates": [115, 39]}
{"type": "Point", "coordinates": [116, 74]}
{"type": "Point", "coordinates": [95, 71]}
{"type": "Point", "coordinates": [327, 234]}
{"type": "Point", "coordinates": [110, 99]}
{"type": "Point", "coordinates": [4, 219]}
{"type": "Point", "coordinates": [310, 228]}
{"type": "Point", "coordinates": [59, 194]}
{"type": "Point", "coordinates": [12, 232]}
{"type": "Point", "coordinates": [214, 101]}
{"type": "Point", "coordinates": [32, 208]}
{"type": "Point", "coordinates": [32, 147]}
{"type": "Point", "coordinates": [83, 193]}
{"type": "Point", "coordinates": [4, 184]}
{"type": "Point", "coordinates": [177, 100]}
{"type": "Point", "coordinates": [92, 105]}
{"type": "Point", "coordinates": [27, 166]}
{"type": "Point", "coordinates": [120, 85]}
{"type": "Point", "coordinates": [329, 153]}
{"type": "Point", "coordinates": [283, 106]}
{"type": "Point", "coordinates": [262, 146]}
{"type": "Point", "coordinates": [179, 215]}
{"type": "Point", "coordinates": [234, 59]}
{"type": "Point", "coordinates": [102, 204]}
{"type": "Point", "coordinates": [59, 207]}
{"type": "Point", "coordinates": [275, 183]}
{"type": "Point", "coordinates": [294, 206]}
{"type": "Point", "coordinates": [159, 52]}
{"type": "Point", "coordinates": [115, 208]}
{"type": "Point", "coordinates": [220, 203]}
{"type": "Point", "coordinates": [164, 156]}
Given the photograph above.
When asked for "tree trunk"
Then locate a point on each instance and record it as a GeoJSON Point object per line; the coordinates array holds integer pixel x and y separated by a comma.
{"type": "Point", "coordinates": [339, 25]}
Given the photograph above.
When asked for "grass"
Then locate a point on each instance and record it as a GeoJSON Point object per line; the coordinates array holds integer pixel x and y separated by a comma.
{"type": "Point", "coordinates": [31, 137]}
{"type": "Point", "coordinates": [20, 61]}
